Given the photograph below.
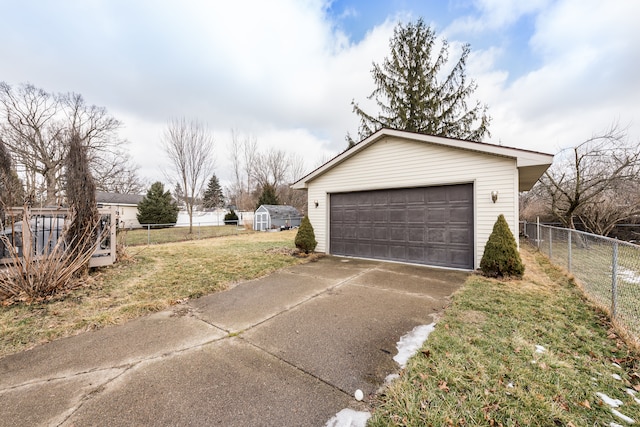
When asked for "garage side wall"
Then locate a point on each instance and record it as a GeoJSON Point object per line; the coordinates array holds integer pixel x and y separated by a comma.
{"type": "Point", "coordinates": [397, 163]}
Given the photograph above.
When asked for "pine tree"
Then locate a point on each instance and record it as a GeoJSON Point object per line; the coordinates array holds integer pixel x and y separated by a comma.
{"type": "Point", "coordinates": [411, 96]}
{"type": "Point", "coordinates": [501, 257]}
{"type": "Point", "coordinates": [157, 207]}
{"type": "Point", "coordinates": [213, 197]}
{"type": "Point", "coordinates": [268, 196]}
{"type": "Point", "coordinates": [306, 238]}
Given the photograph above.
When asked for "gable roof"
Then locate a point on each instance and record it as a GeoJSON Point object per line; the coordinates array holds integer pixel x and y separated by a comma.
{"type": "Point", "coordinates": [118, 199]}
{"type": "Point", "coordinates": [281, 211]}
{"type": "Point", "coordinates": [531, 164]}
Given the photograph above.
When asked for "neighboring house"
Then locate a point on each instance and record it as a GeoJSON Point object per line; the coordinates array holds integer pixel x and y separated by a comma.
{"type": "Point", "coordinates": [416, 198]}
{"type": "Point", "coordinates": [126, 207]}
{"type": "Point", "coordinates": [269, 217]}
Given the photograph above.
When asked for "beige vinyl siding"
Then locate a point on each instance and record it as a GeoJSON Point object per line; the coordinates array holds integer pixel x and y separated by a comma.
{"type": "Point", "coordinates": [399, 163]}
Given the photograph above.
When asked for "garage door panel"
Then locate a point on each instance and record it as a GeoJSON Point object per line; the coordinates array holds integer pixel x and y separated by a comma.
{"type": "Point", "coordinates": [460, 236]}
{"type": "Point", "coordinates": [380, 251]}
{"type": "Point", "coordinates": [415, 196]}
{"type": "Point", "coordinates": [438, 255]}
{"type": "Point", "coordinates": [397, 253]}
{"type": "Point", "coordinates": [381, 216]}
{"type": "Point", "coordinates": [398, 215]}
{"type": "Point", "coordinates": [436, 215]}
{"type": "Point", "coordinates": [350, 215]}
{"type": "Point", "coordinates": [397, 234]}
{"type": "Point", "coordinates": [428, 225]}
{"type": "Point", "coordinates": [436, 235]}
{"type": "Point", "coordinates": [459, 214]}
{"type": "Point", "coordinates": [415, 254]}
{"type": "Point", "coordinates": [364, 250]}
{"type": "Point", "coordinates": [415, 214]}
{"type": "Point", "coordinates": [381, 233]}
{"type": "Point", "coordinates": [380, 198]}
{"type": "Point", "coordinates": [415, 235]}
{"type": "Point", "coordinates": [364, 233]}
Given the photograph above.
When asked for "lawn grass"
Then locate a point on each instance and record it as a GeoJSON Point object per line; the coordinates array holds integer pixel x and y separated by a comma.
{"type": "Point", "coordinates": [480, 366]}
{"type": "Point", "coordinates": [142, 236]}
{"type": "Point", "coordinates": [153, 278]}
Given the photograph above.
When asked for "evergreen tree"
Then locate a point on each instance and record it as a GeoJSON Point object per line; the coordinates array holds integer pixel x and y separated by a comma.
{"type": "Point", "coordinates": [501, 257]}
{"type": "Point", "coordinates": [157, 207]}
{"type": "Point", "coordinates": [411, 95]}
{"type": "Point", "coordinates": [305, 238]}
{"type": "Point", "coordinates": [268, 196]}
{"type": "Point", "coordinates": [213, 197]}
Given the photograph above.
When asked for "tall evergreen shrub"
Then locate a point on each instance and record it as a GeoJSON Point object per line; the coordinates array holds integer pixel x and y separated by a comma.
{"type": "Point", "coordinates": [306, 238]}
{"type": "Point", "coordinates": [158, 207]}
{"type": "Point", "coordinates": [501, 257]}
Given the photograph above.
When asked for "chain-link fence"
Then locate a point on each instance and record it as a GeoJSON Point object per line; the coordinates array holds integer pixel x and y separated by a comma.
{"type": "Point", "coordinates": [608, 269]}
{"type": "Point", "coordinates": [150, 234]}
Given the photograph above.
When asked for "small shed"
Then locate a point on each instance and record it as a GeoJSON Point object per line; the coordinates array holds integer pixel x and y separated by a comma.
{"type": "Point", "coordinates": [269, 217]}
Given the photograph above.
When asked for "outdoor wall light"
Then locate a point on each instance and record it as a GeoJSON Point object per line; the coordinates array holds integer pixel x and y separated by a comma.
{"type": "Point", "coordinates": [315, 202]}
{"type": "Point", "coordinates": [494, 196]}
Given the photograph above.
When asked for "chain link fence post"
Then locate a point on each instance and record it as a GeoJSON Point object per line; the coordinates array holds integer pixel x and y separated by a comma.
{"type": "Point", "coordinates": [614, 281]}
{"type": "Point", "coordinates": [569, 251]}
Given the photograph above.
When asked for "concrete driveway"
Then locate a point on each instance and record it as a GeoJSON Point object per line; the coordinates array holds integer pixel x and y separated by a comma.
{"type": "Point", "coordinates": [288, 349]}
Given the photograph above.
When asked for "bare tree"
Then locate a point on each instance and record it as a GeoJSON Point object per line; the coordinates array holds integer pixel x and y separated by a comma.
{"type": "Point", "coordinates": [118, 174]}
{"type": "Point", "coordinates": [270, 168]}
{"type": "Point", "coordinates": [243, 154]}
{"type": "Point", "coordinates": [36, 127]}
{"type": "Point", "coordinates": [256, 170]}
{"type": "Point", "coordinates": [296, 170]}
{"type": "Point", "coordinates": [189, 146]}
{"type": "Point", "coordinates": [593, 177]}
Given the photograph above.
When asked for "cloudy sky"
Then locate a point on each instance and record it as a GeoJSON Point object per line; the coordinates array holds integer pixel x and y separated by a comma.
{"type": "Point", "coordinates": [553, 73]}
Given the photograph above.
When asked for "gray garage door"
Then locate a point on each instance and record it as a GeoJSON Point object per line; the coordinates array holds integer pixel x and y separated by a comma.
{"type": "Point", "coordinates": [427, 225]}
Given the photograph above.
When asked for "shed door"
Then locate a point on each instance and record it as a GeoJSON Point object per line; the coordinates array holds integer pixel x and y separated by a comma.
{"type": "Point", "coordinates": [426, 225]}
{"type": "Point", "coordinates": [262, 221]}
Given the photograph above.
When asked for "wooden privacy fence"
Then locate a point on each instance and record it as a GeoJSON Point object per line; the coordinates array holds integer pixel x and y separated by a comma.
{"type": "Point", "coordinates": [45, 228]}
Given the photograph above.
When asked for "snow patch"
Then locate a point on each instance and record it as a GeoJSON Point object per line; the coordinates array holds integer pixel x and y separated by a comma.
{"type": "Point", "coordinates": [390, 378]}
{"type": "Point", "coordinates": [628, 276]}
{"type": "Point", "coordinates": [411, 342]}
{"type": "Point", "coordinates": [614, 403]}
{"type": "Point", "coordinates": [540, 349]}
{"type": "Point", "coordinates": [612, 424]}
{"type": "Point", "coordinates": [349, 418]}
{"type": "Point", "coordinates": [623, 417]}
{"type": "Point", "coordinates": [631, 392]}
{"type": "Point", "coordinates": [616, 377]}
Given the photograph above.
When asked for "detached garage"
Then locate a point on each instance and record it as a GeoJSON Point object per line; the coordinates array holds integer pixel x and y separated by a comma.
{"type": "Point", "coordinates": [415, 198]}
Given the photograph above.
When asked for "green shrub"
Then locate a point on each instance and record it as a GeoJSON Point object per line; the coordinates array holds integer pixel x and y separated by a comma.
{"type": "Point", "coordinates": [231, 217]}
{"type": "Point", "coordinates": [158, 207]}
{"type": "Point", "coordinates": [501, 257]}
{"type": "Point", "coordinates": [306, 238]}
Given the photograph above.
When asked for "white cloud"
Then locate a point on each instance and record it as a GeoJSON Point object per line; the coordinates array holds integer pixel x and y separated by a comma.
{"type": "Point", "coordinates": [495, 15]}
{"type": "Point", "coordinates": [586, 81]}
{"type": "Point", "coordinates": [284, 72]}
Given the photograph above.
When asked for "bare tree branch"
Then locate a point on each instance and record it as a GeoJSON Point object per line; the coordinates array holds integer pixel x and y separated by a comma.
{"type": "Point", "coordinates": [189, 146]}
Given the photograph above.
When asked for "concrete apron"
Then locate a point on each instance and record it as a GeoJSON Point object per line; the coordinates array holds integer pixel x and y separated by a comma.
{"type": "Point", "coordinates": [288, 349]}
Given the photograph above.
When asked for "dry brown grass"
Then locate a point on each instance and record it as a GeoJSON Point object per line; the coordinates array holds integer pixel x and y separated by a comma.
{"type": "Point", "coordinates": [152, 279]}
